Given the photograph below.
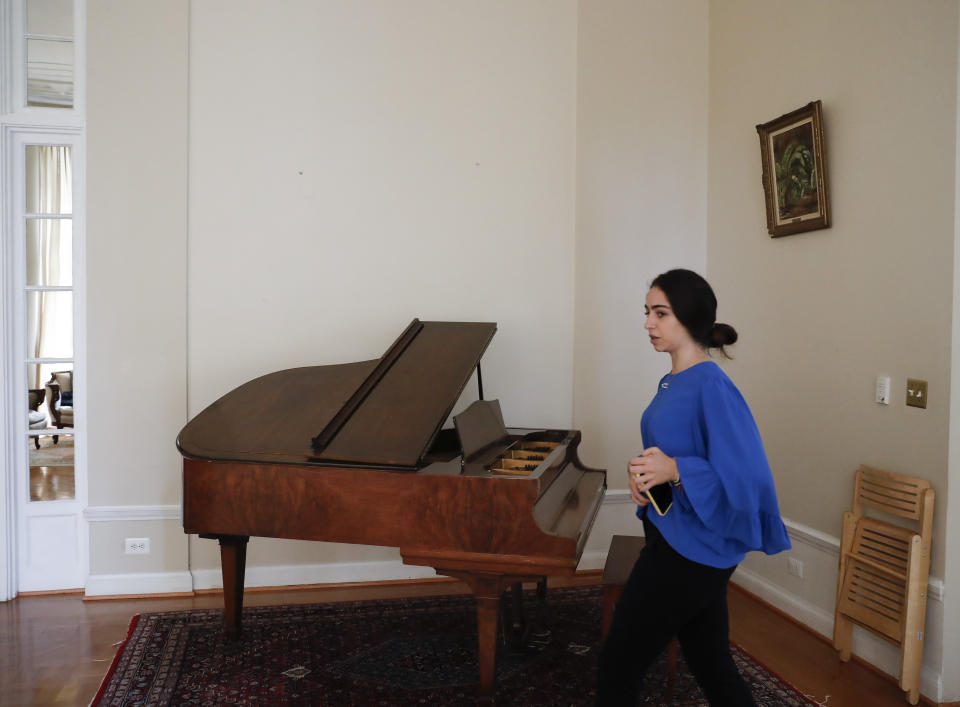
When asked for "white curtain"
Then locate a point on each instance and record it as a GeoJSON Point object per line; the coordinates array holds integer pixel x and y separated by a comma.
{"type": "Point", "coordinates": [49, 256]}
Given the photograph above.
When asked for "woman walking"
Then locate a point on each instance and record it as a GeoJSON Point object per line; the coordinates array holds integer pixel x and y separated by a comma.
{"type": "Point", "coordinates": [704, 466]}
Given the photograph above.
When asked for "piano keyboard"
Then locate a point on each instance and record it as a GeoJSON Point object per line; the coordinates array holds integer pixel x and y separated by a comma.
{"type": "Point", "coordinates": [522, 459]}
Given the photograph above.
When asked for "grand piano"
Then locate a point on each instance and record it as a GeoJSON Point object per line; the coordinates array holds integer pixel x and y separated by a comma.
{"type": "Point", "coordinates": [357, 453]}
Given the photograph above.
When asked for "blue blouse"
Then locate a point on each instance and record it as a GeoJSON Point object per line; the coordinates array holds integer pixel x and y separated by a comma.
{"type": "Point", "coordinates": [727, 504]}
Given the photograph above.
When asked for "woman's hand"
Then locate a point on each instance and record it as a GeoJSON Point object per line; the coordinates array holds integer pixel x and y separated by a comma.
{"type": "Point", "coordinates": [650, 469]}
{"type": "Point", "coordinates": [633, 474]}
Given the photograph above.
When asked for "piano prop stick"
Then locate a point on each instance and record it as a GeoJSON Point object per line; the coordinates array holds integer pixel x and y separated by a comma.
{"type": "Point", "coordinates": [357, 453]}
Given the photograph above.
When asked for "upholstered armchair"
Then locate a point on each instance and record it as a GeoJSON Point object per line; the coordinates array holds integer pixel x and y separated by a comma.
{"type": "Point", "coordinates": [36, 416]}
{"type": "Point", "coordinates": [60, 400]}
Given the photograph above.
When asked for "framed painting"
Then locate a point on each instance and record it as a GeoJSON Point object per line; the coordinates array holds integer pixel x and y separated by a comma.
{"type": "Point", "coordinates": [795, 172]}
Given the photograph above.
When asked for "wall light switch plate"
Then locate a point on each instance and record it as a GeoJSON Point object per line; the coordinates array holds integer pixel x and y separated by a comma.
{"type": "Point", "coordinates": [916, 393]}
{"type": "Point", "coordinates": [883, 390]}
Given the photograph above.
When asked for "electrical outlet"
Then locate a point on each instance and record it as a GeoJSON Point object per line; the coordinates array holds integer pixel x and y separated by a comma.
{"type": "Point", "coordinates": [795, 567]}
{"type": "Point", "coordinates": [136, 546]}
{"type": "Point", "coordinates": [916, 393]}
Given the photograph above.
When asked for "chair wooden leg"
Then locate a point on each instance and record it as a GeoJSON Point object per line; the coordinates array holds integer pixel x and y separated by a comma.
{"type": "Point", "coordinates": [842, 636]}
{"type": "Point", "coordinates": [911, 666]}
{"type": "Point", "coordinates": [913, 696]}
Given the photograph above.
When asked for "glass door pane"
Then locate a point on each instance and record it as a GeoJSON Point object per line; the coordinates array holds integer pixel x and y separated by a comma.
{"type": "Point", "coordinates": [50, 53]}
{"type": "Point", "coordinates": [49, 324]}
{"type": "Point", "coordinates": [49, 73]}
{"type": "Point", "coordinates": [52, 475]}
{"type": "Point", "coordinates": [49, 252]}
{"type": "Point", "coordinates": [49, 179]}
{"type": "Point", "coordinates": [48, 336]}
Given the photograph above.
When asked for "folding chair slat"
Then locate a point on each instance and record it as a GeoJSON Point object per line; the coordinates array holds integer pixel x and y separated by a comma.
{"type": "Point", "coordinates": [865, 584]}
{"type": "Point", "coordinates": [891, 572]}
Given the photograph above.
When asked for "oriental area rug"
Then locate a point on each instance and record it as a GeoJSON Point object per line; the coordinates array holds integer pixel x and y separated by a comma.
{"type": "Point", "coordinates": [414, 651]}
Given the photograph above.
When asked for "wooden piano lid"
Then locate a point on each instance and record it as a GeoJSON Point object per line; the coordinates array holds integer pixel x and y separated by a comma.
{"type": "Point", "coordinates": [382, 413]}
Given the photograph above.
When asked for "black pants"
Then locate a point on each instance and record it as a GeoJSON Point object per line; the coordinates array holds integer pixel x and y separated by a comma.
{"type": "Point", "coordinates": [668, 595]}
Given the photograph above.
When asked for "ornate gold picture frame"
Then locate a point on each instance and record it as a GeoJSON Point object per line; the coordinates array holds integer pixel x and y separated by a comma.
{"type": "Point", "coordinates": [795, 182]}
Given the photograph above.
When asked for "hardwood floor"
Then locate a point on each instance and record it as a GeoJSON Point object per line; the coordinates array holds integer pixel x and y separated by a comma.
{"type": "Point", "coordinates": [51, 468]}
{"type": "Point", "coordinates": [57, 648]}
{"type": "Point", "coordinates": [807, 660]}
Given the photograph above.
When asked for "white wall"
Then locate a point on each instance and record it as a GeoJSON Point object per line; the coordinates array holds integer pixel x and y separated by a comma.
{"type": "Point", "coordinates": [136, 273]}
{"type": "Point", "coordinates": [641, 205]}
{"type": "Point", "coordinates": [821, 314]}
{"type": "Point", "coordinates": [371, 162]}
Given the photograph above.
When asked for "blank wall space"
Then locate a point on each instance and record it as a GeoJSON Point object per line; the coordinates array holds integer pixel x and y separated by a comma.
{"type": "Point", "coordinates": [641, 209]}
{"type": "Point", "coordinates": [368, 164]}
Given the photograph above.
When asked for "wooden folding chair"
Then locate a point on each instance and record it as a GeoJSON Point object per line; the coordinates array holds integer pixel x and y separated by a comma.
{"type": "Point", "coordinates": [884, 569]}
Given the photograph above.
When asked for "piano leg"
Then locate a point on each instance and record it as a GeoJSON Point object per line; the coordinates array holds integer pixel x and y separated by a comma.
{"type": "Point", "coordinates": [488, 613]}
{"type": "Point", "coordinates": [233, 562]}
{"type": "Point", "coordinates": [488, 590]}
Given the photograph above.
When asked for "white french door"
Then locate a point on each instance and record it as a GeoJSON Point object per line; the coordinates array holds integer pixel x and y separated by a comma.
{"type": "Point", "coordinates": [44, 273]}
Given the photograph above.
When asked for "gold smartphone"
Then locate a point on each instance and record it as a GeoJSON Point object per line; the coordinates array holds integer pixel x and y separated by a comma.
{"type": "Point", "coordinates": [661, 497]}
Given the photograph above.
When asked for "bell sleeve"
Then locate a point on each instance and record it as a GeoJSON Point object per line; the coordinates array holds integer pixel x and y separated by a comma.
{"type": "Point", "coordinates": [731, 487]}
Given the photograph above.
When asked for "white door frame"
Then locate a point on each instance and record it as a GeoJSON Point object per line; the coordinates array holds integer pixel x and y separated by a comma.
{"type": "Point", "coordinates": [15, 118]}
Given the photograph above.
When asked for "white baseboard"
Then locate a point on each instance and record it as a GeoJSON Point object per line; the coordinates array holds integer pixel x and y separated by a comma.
{"type": "Point", "coordinates": [806, 613]}
{"type": "Point", "coordinates": [100, 585]}
{"type": "Point", "coordinates": [106, 514]}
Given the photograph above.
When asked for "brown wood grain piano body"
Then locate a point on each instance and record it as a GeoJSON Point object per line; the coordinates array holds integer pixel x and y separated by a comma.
{"type": "Point", "coordinates": [250, 470]}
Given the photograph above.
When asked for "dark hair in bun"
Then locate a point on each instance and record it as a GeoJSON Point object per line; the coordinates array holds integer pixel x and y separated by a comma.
{"type": "Point", "coordinates": [695, 305]}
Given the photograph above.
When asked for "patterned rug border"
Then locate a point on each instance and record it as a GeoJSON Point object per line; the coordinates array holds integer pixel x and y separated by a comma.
{"type": "Point", "coordinates": [116, 659]}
